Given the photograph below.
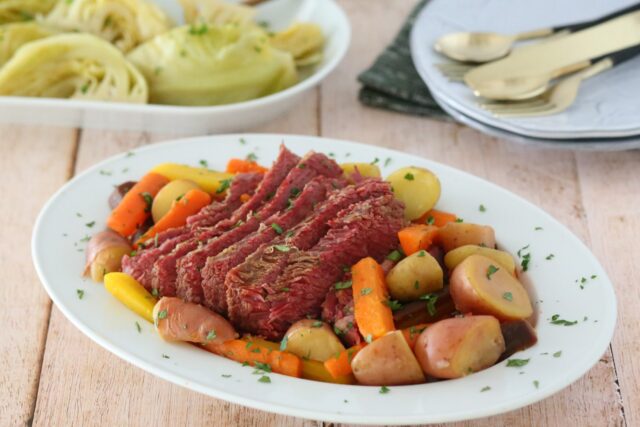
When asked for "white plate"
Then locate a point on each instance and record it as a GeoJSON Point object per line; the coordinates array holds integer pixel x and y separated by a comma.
{"type": "Point", "coordinates": [198, 120]}
{"type": "Point", "coordinates": [607, 105]}
{"type": "Point", "coordinates": [58, 261]}
{"type": "Point", "coordinates": [617, 144]}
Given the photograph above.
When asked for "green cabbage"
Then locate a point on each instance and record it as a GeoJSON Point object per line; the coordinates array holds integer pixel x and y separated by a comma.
{"type": "Point", "coordinates": [303, 40]}
{"type": "Point", "coordinates": [217, 12]}
{"type": "Point", "coordinates": [23, 10]}
{"type": "Point", "coordinates": [206, 65]}
{"type": "Point", "coordinates": [125, 23]}
{"type": "Point", "coordinates": [80, 66]}
{"type": "Point", "coordinates": [12, 36]}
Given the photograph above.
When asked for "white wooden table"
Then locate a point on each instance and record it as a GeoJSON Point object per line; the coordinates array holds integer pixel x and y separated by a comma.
{"type": "Point", "coordinates": [53, 375]}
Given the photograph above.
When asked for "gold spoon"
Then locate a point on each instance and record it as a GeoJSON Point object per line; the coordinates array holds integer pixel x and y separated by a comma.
{"type": "Point", "coordinates": [482, 47]}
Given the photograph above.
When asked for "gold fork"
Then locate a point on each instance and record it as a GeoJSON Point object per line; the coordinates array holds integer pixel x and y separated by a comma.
{"type": "Point", "coordinates": [560, 96]}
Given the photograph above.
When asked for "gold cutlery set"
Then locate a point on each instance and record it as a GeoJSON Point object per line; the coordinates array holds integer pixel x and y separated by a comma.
{"type": "Point", "coordinates": [541, 78]}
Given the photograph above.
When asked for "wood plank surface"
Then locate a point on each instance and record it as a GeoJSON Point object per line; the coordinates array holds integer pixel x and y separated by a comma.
{"type": "Point", "coordinates": [35, 161]}
{"type": "Point", "coordinates": [57, 376]}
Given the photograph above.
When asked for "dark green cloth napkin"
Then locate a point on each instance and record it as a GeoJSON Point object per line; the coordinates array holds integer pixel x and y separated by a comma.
{"type": "Point", "coordinates": [392, 82]}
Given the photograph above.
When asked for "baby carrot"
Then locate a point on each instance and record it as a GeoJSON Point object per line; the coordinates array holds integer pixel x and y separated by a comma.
{"type": "Point", "coordinates": [256, 355]}
{"type": "Point", "coordinates": [437, 218]}
{"type": "Point", "coordinates": [340, 366]}
{"type": "Point", "coordinates": [373, 315]}
{"type": "Point", "coordinates": [135, 207]}
{"type": "Point", "coordinates": [244, 166]}
{"type": "Point", "coordinates": [416, 237]}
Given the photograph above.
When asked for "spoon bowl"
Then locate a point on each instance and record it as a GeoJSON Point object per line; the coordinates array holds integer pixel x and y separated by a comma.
{"type": "Point", "coordinates": [474, 47]}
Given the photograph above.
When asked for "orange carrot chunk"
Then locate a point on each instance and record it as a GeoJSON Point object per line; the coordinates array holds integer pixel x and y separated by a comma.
{"type": "Point", "coordinates": [416, 237]}
{"type": "Point", "coordinates": [372, 314]}
{"type": "Point", "coordinates": [340, 365]}
{"type": "Point", "coordinates": [252, 353]}
{"type": "Point", "coordinates": [437, 218]}
{"type": "Point", "coordinates": [189, 204]}
{"type": "Point", "coordinates": [244, 166]}
{"type": "Point", "coordinates": [135, 206]}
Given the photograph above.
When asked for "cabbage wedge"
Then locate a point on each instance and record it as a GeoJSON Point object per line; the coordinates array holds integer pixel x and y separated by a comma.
{"type": "Point", "coordinates": [304, 41]}
{"type": "Point", "coordinates": [23, 10]}
{"type": "Point", "coordinates": [12, 36]}
{"type": "Point", "coordinates": [79, 66]}
{"type": "Point", "coordinates": [217, 12]}
{"type": "Point", "coordinates": [205, 65]}
{"type": "Point", "coordinates": [125, 23]}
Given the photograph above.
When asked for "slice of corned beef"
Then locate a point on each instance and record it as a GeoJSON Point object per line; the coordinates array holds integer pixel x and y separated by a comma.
{"type": "Point", "coordinates": [312, 165]}
{"type": "Point", "coordinates": [243, 183]}
{"type": "Point", "coordinates": [217, 267]}
{"type": "Point", "coordinates": [367, 228]}
{"type": "Point", "coordinates": [142, 264]}
{"type": "Point", "coordinates": [337, 310]}
{"type": "Point", "coordinates": [263, 266]}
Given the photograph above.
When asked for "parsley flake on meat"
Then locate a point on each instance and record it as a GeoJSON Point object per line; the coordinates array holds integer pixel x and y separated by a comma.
{"type": "Point", "coordinates": [277, 228]}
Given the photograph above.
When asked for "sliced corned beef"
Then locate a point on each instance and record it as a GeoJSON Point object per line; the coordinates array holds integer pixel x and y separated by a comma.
{"type": "Point", "coordinates": [368, 228]}
{"type": "Point", "coordinates": [217, 267]}
{"type": "Point", "coordinates": [261, 268]}
{"type": "Point", "coordinates": [189, 267]}
{"type": "Point", "coordinates": [141, 266]}
{"type": "Point", "coordinates": [337, 310]}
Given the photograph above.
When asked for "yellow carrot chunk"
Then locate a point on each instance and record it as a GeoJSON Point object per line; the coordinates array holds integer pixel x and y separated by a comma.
{"type": "Point", "coordinates": [210, 181]}
{"type": "Point", "coordinates": [131, 293]}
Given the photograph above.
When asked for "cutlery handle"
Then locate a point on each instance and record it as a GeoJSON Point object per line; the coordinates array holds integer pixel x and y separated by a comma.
{"type": "Point", "coordinates": [620, 56]}
{"type": "Point", "coordinates": [582, 25]}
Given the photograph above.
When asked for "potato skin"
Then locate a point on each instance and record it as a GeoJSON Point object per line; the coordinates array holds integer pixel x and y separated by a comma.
{"type": "Point", "coordinates": [456, 234]}
{"type": "Point", "coordinates": [456, 256]}
{"type": "Point", "coordinates": [459, 346]}
{"type": "Point", "coordinates": [365, 169]}
{"type": "Point", "coordinates": [417, 188]}
{"type": "Point", "coordinates": [418, 268]}
{"type": "Point", "coordinates": [312, 339]}
{"type": "Point", "coordinates": [167, 195]}
{"type": "Point", "coordinates": [500, 295]}
{"type": "Point", "coordinates": [387, 361]}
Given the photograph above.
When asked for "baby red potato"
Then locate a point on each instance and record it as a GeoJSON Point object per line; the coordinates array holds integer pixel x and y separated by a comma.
{"type": "Point", "coordinates": [456, 234]}
{"type": "Point", "coordinates": [479, 285]}
{"type": "Point", "coordinates": [453, 348]}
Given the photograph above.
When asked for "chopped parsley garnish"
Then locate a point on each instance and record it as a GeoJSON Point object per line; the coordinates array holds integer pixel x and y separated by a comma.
{"type": "Point", "coordinates": [105, 172]}
{"type": "Point", "coordinates": [264, 379]}
{"type": "Point", "coordinates": [536, 383]}
{"type": "Point", "coordinates": [491, 270]}
{"type": "Point", "coordinates": [317, 324]}
{"type": "Point", "coordinates": [294, 192]}
{"type": "Point", "coordinates": [394, 305]}
{"type": "Point", "coordinates": [252, 157]}
{"type": "Point", "coordinates": [421, 253]}
{"type": "Point", "coordinates": [409, 176]}
{"type": "Point", "coordinates": [148, 199]}
{"type": "Point", "coordinates": [508, 296]}
{"type": "Point", "coordinates": [376, 160]}
{"type": "Point", "coordinates": [517, 363]}
{"type": "Point", "coordinates": [243, 141]}
{"type": "Point", "coordinates": [226, 375]}
{"type": "Point", "coordinates": [277, 228]}
{"type": "Point", "coordinates": [485, 388]}
{"type": "Point", "coordinates": [80, 293]}
{"type": "Point", "coordinates": [387, 161]}
{"type": "Point", "coordinates": [396, 255]}
{"type": "Point", "coordinates": [283, 343]}
{"type": "Point", "coordinates": [481, 208]}
{"type": "Point", "coordinates": [366, 291]}
{"type": "Point", "coordinates": [211, 335]}
{"type": "Point", "coordinates": [163, 314]}
{"type": "Point", "coordinates": [198, 30]}
{"type": "Point", "coordinates": [537, 229]}
{"type": "Point", "coordinates": [164, 356]}
{"type": "Point", "coordinates": [526, 257]}
{"type": "Point", "coordinates": [459, 220]}
{"type": "Point", "coordinates": [78, 214]}
{"type": "Point", "coordinates": [90, 224]}
{"type": "Point", "coordinates": [368, 338]}
{"type": "Point", "coordinates": [550, 257]}
{"type": "Point", "coordinates": [204, 163]}
{"type": "Point", "coordinates": [338, 331]}
{"type": "Point", "coordinates": [557, 353]}
{"type": "Point", "coordinates": [556, 320]}
{"type": "Point", "coordinates": [262, 367]}
{"type": "Point", "coordinates": [154, 292]}
{"type": "Point", "coordinates": [224, 185]}
{"type": "Point", "coordinates": [138, 327]}
{"type": "Point", "coordinates": [282, 248]}
{"type": "Point", "coordinates": [593, 276]}
{"type": "Point", "coordinates": [431, 300]}
{"type": "Point", "coordinates": [384, 390]}
{"type": "Point", "coordinates": [430, 220]}
{"type": "Point", "coordinates": [343, 285]}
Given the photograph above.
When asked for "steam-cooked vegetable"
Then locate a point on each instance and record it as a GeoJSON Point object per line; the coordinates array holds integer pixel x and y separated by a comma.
{"type": "Point", "coordinates": [364, 169]}
{"type": "Point", "coordinates": [104, 254]}
{"type": "Point", "coordinates": [259, 356]}
{"type": "Point", "coordinates": [131, 293]}
{"type": "Point", "coordinates": [417, 188]}
{"type": "Point", "coordinates": [387, 361]}
{"type": "Point", "coordinates": [339, 365]}
{"type": "Point", "coordinates": [216, 12]}
{"type": "Point", "coordinates": [416, 275]}
{"type": "Point", "coordinates": [124, 23]}
{"type": "Point", "coordinates": [170, 193]}
{"type": "Point", "coordinates": [177, 320]}
{"type": "Point", "coordinates": [210, 181]}
{"type": "Point", "coordinates": [459, 346]}
{"type": "Point", "coordinates": [135, 207]}
{"type": "Point", "coordinates": [23, 10]}
{"type": "Point", "coordinates": [312, 339]}
{"type": "Point", "coordinates": [456, 256]}
{"type": "Point", "coordinates": [206, 65]}
{"type": "Point", "coordinates": [118, 193]}
{"type": "Point", "coordinates": [437, 218]}
{"type": "Point", "coordinates": [79, 66]}
{"type": "Point", "coordinates": [482, 286]}
{"type": "Point", "coordinates": [456, 234]}
{"type": "Point", "coordinates": [417, 237]}
{"type": "Point", "coordinates": [412, 333]}
{"type": "Point", "coordinates": [244, 166]}
{"type": "Point", "coordinates": [181, 209]}
{"type": "Point", "coordinates": [370, 296]}
{"type": "Point", "coordinates": [13, 36]}
{"type": "Point", "coordinates": [302, 40]}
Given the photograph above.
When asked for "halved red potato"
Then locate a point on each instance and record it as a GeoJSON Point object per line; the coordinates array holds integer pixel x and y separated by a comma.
{"type": "Point", "coordinates": [312, 339]}
{"type": "Point", "coordinates": [479, 285]}
{"type": "Point", "coordinates": [459, 346]}
{"type": "Point", "coordinates": [456, 234]}
{"type": "Point", "coordinates": [456, 256]}
{"type": "Point", "coordinates": [387, 361]}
